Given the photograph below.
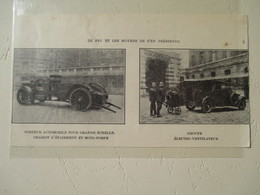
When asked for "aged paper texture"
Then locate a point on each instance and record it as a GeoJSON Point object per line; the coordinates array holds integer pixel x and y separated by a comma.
{"type": "Point", "coordinates": [131, 81]}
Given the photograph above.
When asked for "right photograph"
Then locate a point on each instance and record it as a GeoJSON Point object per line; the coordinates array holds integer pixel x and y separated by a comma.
{"type": "Point", "coordinates": [193, 86]}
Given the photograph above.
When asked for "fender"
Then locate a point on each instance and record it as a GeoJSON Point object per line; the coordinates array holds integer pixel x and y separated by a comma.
{"type": "Point", "coordinates": [240, 98]}
{"type": "Point", "coordinates": [207, 98]}
{"type": "Point", "coordinates": [28, 89]}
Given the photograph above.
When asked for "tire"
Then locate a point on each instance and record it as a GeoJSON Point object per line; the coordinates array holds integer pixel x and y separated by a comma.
{"type": "Point", "coordinates": [234, 98]}
{"type": "Point", "coordinates": [170, 110]}
{"type": "Point", "coordinates": [178, 110]}
{"type": "Point", "coordinates": [207, 106]}
{"type": "Point", "coordinates": [24, 96]}
{"type": "Point", "coordinates": [190, 105]}
{"type": "Point", "coordinates": [81, 99]}
{"type": "Point", "coordinates": [242, 104]}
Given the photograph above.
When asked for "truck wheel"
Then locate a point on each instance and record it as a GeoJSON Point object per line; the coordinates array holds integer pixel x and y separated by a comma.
{"type": "Point", "coordinates": [81, 99]}
{"type": "Point", "coordinates": [190, 105]}
{"type": "Point", "coordinates": [207, 106]}
{"type": "Point", "coordinates": [24, 97]}
{"type": "Point", "coordinates": [242, 104]}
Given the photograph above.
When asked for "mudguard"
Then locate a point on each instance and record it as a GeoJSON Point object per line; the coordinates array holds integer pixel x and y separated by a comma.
{"type": "Point", "coordinates": [207, 98]}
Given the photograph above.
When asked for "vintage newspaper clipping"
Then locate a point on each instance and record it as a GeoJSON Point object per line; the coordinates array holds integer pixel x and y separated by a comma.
{"type": "Point", "coordinates": [130, 81]}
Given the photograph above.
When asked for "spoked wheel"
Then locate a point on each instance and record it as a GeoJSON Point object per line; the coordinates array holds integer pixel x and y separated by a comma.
{"type": "Point", "coordinates": [207, 106]}
{"type": "Point", "coordinates": [242, 104]}
{"type": "Point", "coordinates": [81, 99]}
{"type": "Point", "coordinates": [170, 110]}
{"type": "Point", "coordinates": [178, 110]}
{"type": "Point", "coordinates": [24, 97]}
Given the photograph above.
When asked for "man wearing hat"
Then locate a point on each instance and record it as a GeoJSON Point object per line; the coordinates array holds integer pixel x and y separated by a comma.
{"type": "Point", "coordinates": [160, 98]}
{"type": "Point", "coordinates": [152, 98]}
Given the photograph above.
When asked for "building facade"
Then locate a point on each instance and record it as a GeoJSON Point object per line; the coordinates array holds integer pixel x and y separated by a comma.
{"type": "Point", "coordinates": [230, 65]}
{"type": "Point", "coordinates": [105, 66]}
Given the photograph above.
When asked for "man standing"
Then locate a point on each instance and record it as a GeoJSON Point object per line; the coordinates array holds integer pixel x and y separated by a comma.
{"type": "Point", "coordinates": [152, 98]}
{"type": "Point", "coordinates": [160, 98]}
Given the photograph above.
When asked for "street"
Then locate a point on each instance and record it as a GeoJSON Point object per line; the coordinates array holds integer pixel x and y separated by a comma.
{"type": "Point", "coordinates": [220, 115]}
{"type": "Point", "coordinates": [62, 112]}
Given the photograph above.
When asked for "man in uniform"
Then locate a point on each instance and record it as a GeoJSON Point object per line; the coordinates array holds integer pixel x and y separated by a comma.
{"type": "Point", "coordinates": [160, 98]}
{"type": "Point", "coordinates": [152, 98]}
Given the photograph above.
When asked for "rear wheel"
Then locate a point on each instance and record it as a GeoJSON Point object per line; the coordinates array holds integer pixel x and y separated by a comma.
{"type": "Point", "coordinates": [207, 106]}
{"type": "Point", "coordinates": [242, 104]}
{"type": "Point", "coordinates": [81, 99]}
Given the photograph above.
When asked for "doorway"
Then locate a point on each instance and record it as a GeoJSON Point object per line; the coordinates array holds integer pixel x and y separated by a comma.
{"type": "Point", "coordinates": [155, 71]}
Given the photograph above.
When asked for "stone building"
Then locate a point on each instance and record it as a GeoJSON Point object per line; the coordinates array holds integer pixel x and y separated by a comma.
{"type": "Point", "coordinates": [105, 66]}
{"type": "Point", "coordinates": [230, 65]}
{"type": "Point", "coordinates": [158, 65]}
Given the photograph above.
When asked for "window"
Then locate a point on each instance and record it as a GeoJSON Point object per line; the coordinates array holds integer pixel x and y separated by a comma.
{"type": "Point", "coordinates": [193, 60]}
{"type": "Point", "coordinates": [234, 53]}
{"type": "Point", "coordinates": [201, 57]}
{"type": "Point", "coordinates": [79, 69]}
{"type": "Point", "coordinates": [213, 74]}
{"type": "Point", "coordinates": [187, 76]}
{"type": "Point", "coordinates": [224, 54]}
{"type": "Point", "coordinates": [227, 72]}
{"type": "Point", "coordinates": [246, 70]}
{"type": "Point", "coordinates": [202, 75]}
{"type": "Point", "coordinates": [105, 68]}
{"type": "Point", "coordinates": [193, 76]}
{"type": "Point", "coordinates": [210, 56]}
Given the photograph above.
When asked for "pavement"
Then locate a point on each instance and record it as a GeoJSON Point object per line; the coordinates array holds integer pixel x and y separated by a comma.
{"type": "Point", "coordinates": [220, 115]}
{"type": "Point", "coordinates": [62, 112]}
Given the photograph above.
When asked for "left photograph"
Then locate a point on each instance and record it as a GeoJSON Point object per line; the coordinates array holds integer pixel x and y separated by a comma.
{"type": "Point", "coordinates": [59, 86]}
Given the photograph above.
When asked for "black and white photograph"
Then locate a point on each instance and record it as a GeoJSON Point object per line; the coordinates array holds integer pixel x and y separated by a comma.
{"type": "Point", "coordinates": [194, 86]}
{"type": "Point", "coordinates": [69, 86]}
